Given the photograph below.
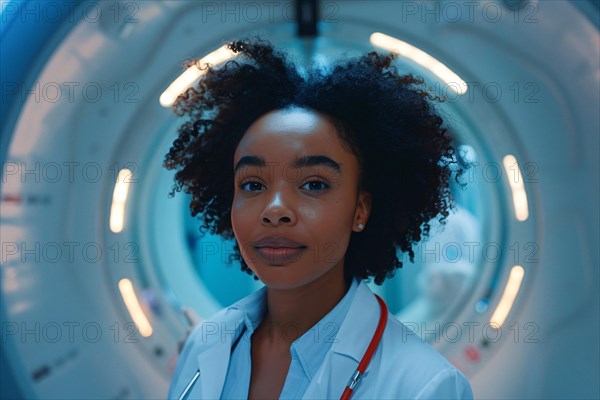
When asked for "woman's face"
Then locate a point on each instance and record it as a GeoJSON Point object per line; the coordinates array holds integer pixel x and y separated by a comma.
{"type": "Point", "coordinates": [313, 203]}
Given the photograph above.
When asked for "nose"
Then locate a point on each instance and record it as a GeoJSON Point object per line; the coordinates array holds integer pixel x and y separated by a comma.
{"type": "Point", "coordinates": [277, 212]}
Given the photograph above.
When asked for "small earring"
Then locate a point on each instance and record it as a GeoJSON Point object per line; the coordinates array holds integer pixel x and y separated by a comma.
{"type": "Point", "coordinates": [360, 226]}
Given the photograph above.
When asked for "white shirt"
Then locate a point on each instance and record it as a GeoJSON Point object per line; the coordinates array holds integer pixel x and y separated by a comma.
{"type": "Point", "coordinates": [307, 352]}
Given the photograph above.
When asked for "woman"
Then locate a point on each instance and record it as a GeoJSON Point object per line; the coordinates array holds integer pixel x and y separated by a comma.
{"type": "Point", "coordinates": [330, 174]}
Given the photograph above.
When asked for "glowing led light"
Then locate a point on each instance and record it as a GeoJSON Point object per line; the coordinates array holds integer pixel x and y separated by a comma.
{"type": "Point", "coordinates": [119, 200]}
{"type": "Point", "coordinates": [192, 74]}
{"type": "Point", "coordinates": [133, 306]}
{"type": "Point", "coordinates": [515, 180]}
{"type": "Point", "coordinates": [417, 55]}
{"type": "Point", "coordinates": [508, 297]}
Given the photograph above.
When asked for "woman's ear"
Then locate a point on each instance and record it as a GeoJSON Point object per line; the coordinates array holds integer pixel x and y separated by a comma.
{"type": "Point", "coordinates": [363, 211]}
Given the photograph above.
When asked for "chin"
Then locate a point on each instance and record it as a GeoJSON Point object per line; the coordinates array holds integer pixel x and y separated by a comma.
{"type": "Point", "coordinates": [280, 277]}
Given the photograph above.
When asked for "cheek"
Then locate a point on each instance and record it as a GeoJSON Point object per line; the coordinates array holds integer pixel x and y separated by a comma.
{"type": "Point", "coordinates": [334, 207]}
{"type": "Point", "coordinates": [241, 216]}
{"type": "Point", "coordinates": [309, 213]}
{"type": "Point", "coordinates": [329, 224]}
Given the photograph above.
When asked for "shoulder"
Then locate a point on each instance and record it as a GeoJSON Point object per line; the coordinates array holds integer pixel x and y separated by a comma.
{"type": "Point", "coordinates": [204, 335]}
{"type": "Point", "coordinates": [212, 330]}
{"type": "Point", "coordinates": [449, 383]}
{"type": "Point", "coordinates": [219, 326]}
{"type": "Point", "coordinates": [404, 344]}
{"type": "Point", "coordinates": [406, 358]}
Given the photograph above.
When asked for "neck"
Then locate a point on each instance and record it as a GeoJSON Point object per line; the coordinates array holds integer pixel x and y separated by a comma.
{"type": "Point", "coordinates": [292, 312]}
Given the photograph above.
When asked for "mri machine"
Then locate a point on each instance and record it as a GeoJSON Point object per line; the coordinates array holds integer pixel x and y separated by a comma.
{"type": "Point", "coordinates": [97, 261]}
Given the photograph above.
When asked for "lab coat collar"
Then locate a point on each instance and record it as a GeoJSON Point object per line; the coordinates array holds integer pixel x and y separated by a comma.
{"type": "Point", "coordinates": [213, 360]}
{"type": "Point", "coordinates": [364, 313]}
{"type": "Point", "coordinates": [349, 346]}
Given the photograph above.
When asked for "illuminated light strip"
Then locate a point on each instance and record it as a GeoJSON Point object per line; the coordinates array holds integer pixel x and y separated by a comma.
{"type": "Point", "coordinates": [417, 55]}
{"type": "Point", "coordinates": [192, 74]}
{"type": "Point", "coordinates": [508, 297]}
{"type": "Point", "coordinates": [133, 306]}
{"type": "Point", "coordinates": [117, 208]}
{"type": "Point", "coordinates": [515, 180]}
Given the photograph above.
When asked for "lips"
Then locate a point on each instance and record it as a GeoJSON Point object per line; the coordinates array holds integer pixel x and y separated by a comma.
{"type": "Point", "coordinates": [278, 250]}
{"type": "Point", "coordinates": [277, 242]}
{"type": "Point", "coordinates": [279, 255]}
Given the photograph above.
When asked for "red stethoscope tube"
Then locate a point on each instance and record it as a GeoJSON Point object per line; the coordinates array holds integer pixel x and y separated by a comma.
{"type": "Point", "coordinates": [366, 359]}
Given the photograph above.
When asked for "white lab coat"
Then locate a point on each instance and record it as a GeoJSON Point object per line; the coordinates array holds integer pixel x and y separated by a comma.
{"type": "Point", "coordinates": [403, 366]}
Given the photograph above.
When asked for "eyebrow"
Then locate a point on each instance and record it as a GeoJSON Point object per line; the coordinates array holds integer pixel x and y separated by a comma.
{"type": "Point", "coordinates": [299, 162]}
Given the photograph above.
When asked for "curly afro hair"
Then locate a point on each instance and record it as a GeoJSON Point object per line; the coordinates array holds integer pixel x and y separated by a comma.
{"type": "Point", "coordinates": [387, 120]}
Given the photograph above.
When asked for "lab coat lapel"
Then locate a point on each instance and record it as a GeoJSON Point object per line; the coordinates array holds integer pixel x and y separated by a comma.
{"type": "Point", "coordinates": [214, 360]}
{"type": "Point", "coordinates": [349, 346]}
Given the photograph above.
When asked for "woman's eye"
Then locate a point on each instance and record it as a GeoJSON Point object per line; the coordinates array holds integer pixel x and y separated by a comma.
{"type": "Point", "coordinates": [317, 186]}
{"type": "Point", "coordinates": [321, 184]}
{"type": "Point", "coordinates": [243, 185]}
